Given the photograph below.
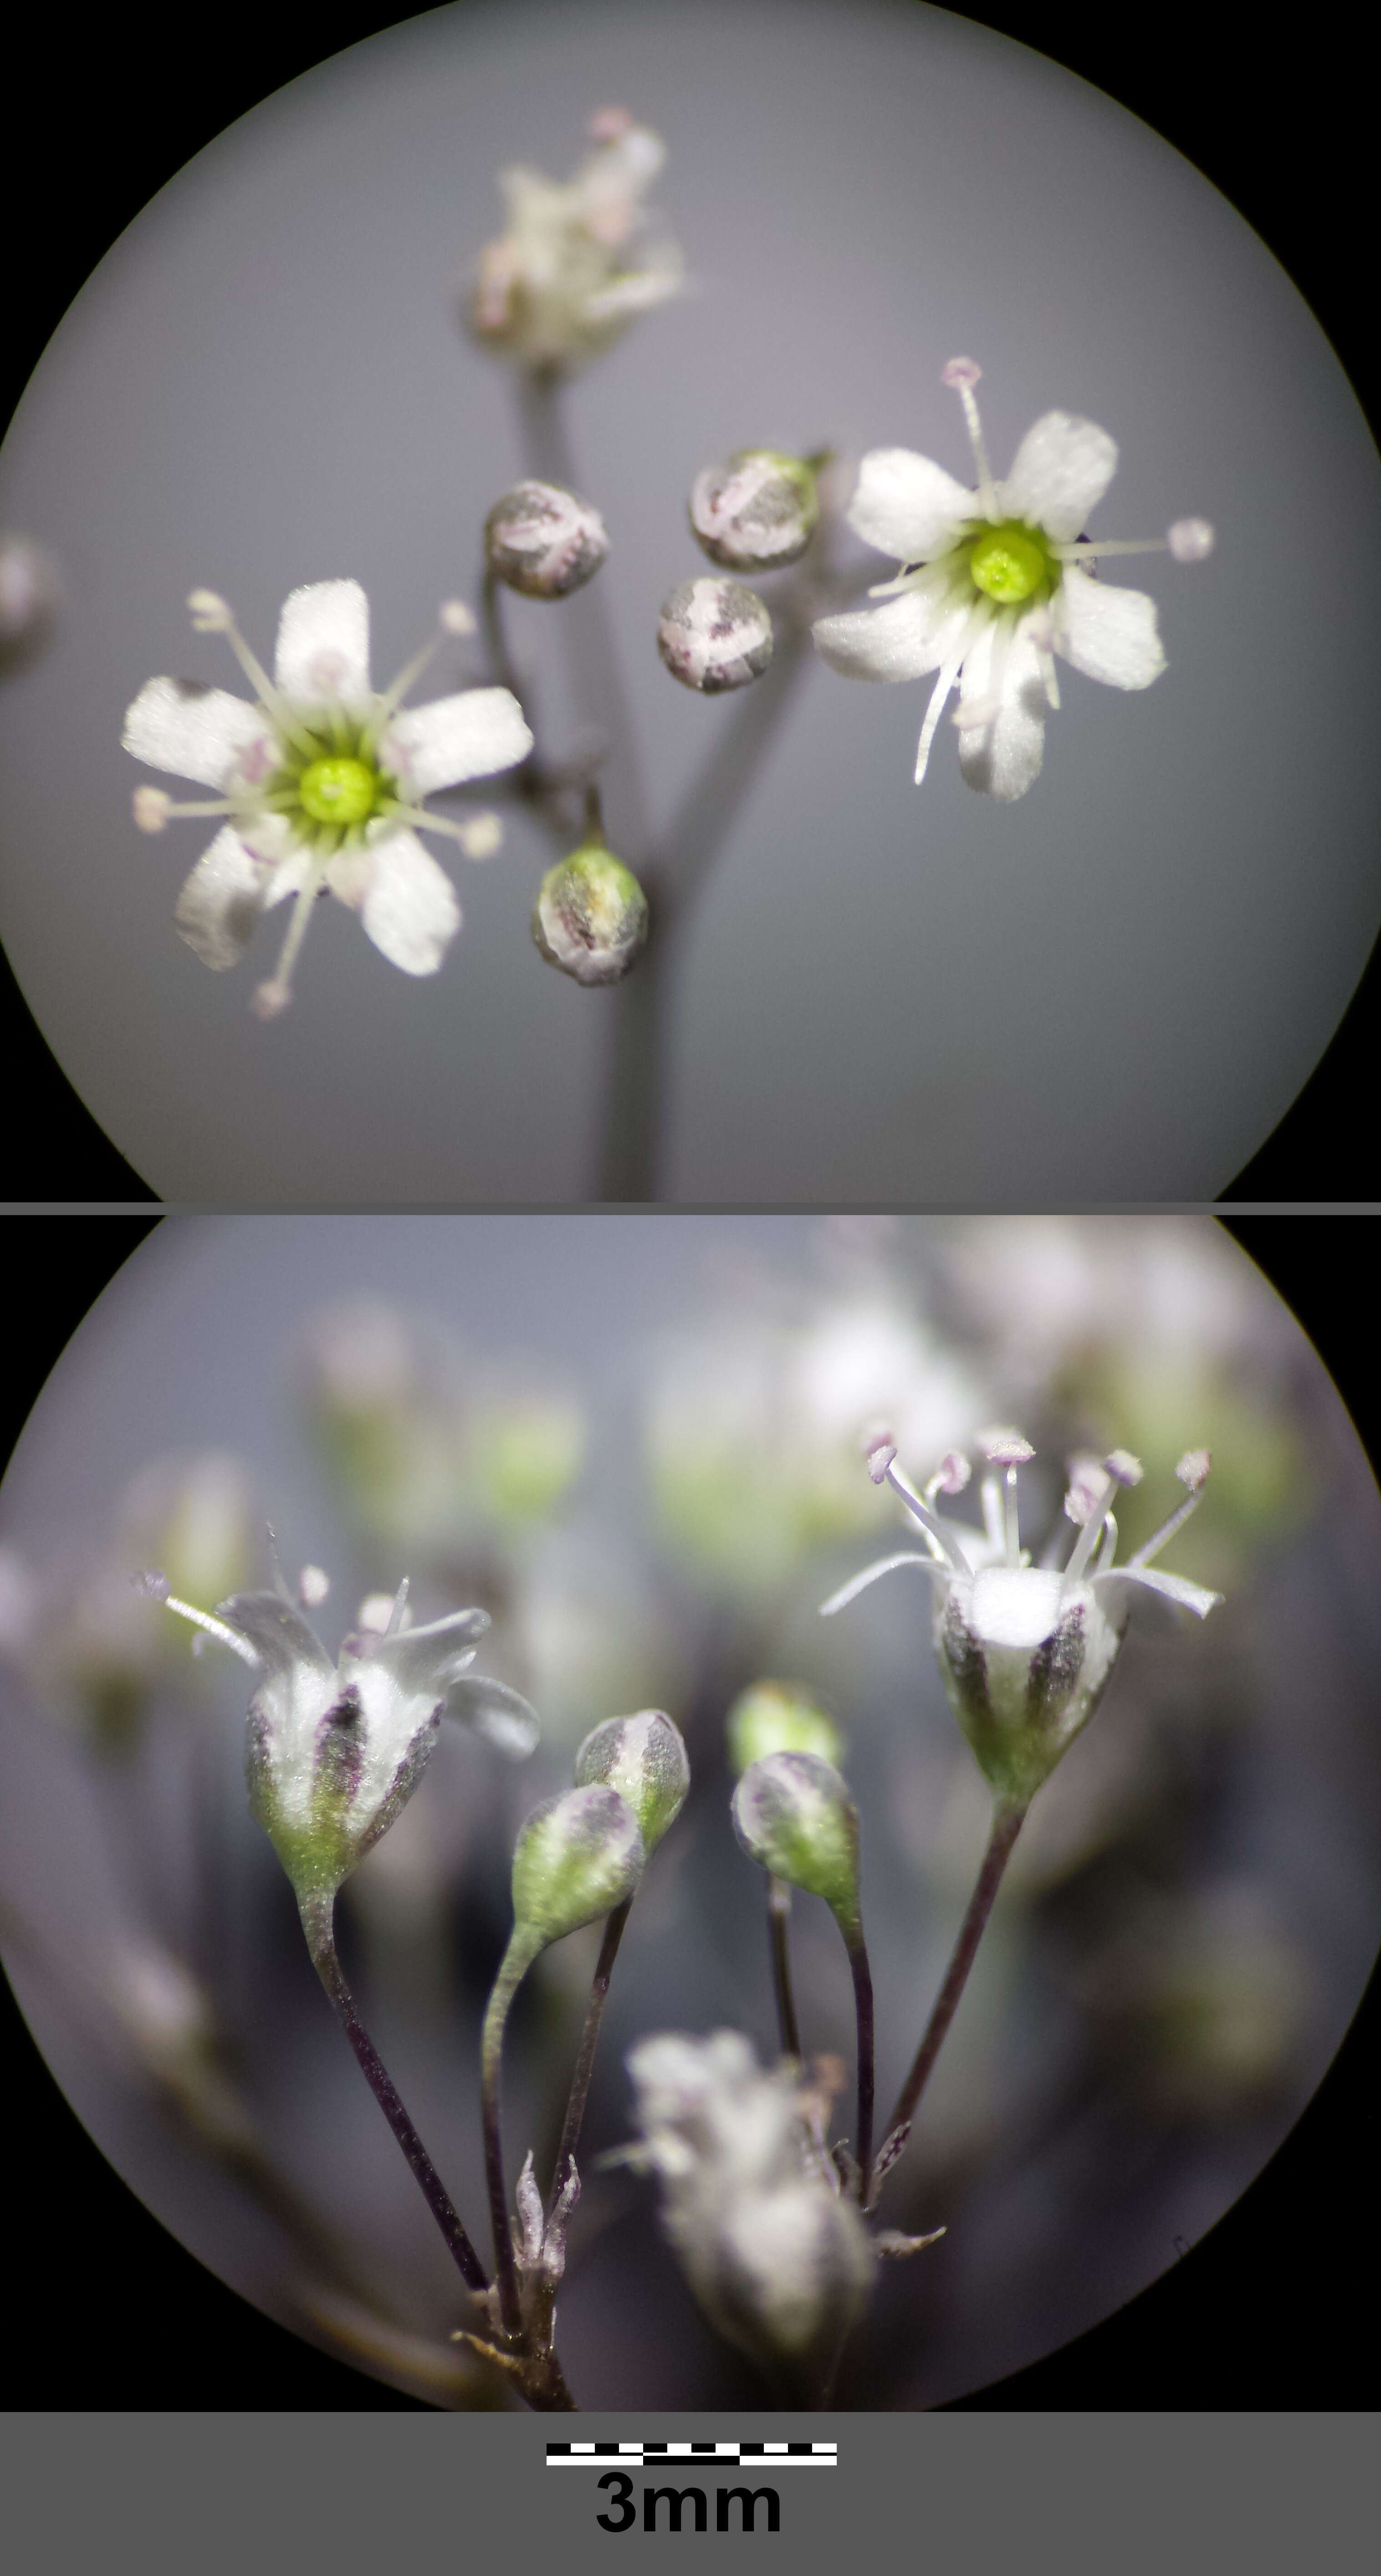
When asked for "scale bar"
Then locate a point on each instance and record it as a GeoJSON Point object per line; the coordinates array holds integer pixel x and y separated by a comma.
{"type": "Point", "coordinates": [783, 2455]}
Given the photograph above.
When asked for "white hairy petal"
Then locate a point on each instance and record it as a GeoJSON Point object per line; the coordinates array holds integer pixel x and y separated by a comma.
{"type": "Point", "coordinates": [408, 906]}
{"type": "Point", "coordinates": [907, 506]}
{"type": "Point", "coordinates": [1108, 633]}
{"type": "Point", "coordinates": [193, 731]}
{"type": "Point", "coordinates": [1002, 757]}
{"type": "Point", "coordinates": [468, 736]}
{"type": "Point", "coordinates": [1060, 472]}
{"type": "Point", "coordinates": [221, 902]}
{"type": "Point", "coordinates": [323, 643]}
{"type": "Point", "coordinates": [1171, 1587]}
{"type": "Point", "coordinates": [909, 635]}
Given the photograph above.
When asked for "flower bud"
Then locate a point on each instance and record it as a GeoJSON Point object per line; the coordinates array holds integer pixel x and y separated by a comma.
{"type": "Point", "coordinates": [755, 511]}
{"type": "Point", "coordinates": [794, 1816]}
{"type": "Point", "coordinates": [779, 1717]}
{"type": "Point", "coordinates": [714, 635]}
{"type": "Point", "coordinates": [577, 1858]}
{"type": "Point", "coordinates": [544, 541]}
{"type": "Point", "coordinates": [780, 2263]}
{"type": "Point", "coordinates": [590, 917]}
{"type": "Point", "coordinates": [644, 1758]}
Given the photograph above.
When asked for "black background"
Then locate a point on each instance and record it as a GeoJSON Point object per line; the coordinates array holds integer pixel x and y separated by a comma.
{"type": "Point", "coordinates": [110, 118]}
{"type": "Point", "coordinates": [118, 2315]}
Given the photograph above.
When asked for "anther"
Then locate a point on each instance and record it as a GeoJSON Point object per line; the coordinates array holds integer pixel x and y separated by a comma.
{"type": "Point", "coordinates": [1190, 540]}
{"type": "Point", "coordinates": [151, 808]}
{"type": "Point", "coordinates": [211, 615]}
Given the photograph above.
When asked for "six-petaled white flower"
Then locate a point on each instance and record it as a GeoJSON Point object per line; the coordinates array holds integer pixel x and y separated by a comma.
{"type": "Point", "coordinates": [335, 1750]}
{"type": "Point", "coordinates": [578, 262]}
{"type": "Point", "coordinates": [320, 779]}
{"type": "Point", "coordinates": [994, 583]}
{"type": "Point", "coordinates": [1025, 1651]}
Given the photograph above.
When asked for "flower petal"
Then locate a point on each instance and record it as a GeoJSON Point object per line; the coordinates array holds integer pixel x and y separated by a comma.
{"type": "Point", "coordinates": [279, 1634]}
{"type": "Point", "coordinates": [1060, 471]}
{"type": "Point", "coordinates": [496, 1711]}
{"type": "Point", "coordinates": [1002, 757]}
{"type": "Point", "coordinates": [1108, 633]}
{"type": "Point", "coordinates": [191, 730]}
{"type": "Point", "coordinates": [431, 1658]}
{"type": "Point", "coordinates": [885, 1565]}
{"type": "Point", "coordinates": [900, 641]}
{"type": "Point", "coordinates": [1172, 1587]}
{"type": "Point", "coordinates": [221, 901]}
{"type": "Point", "coordinates": [468, 736]}
{"type": "Point", "coordinates": [407, 903]}
{"type": "Point", "coordinates": [323, 643]}
{"type": "Point", "coordinates": [907, 506]}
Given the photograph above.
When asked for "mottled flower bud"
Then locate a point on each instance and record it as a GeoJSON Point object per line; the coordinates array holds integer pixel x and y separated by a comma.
{"type": "Point", "coordinates": [779, 1717]}
{"type": "Point", "coordinates": [544, 541]}
{"type": "Point", "coordinates": [644, 1758]}
{"type": "Point", "coordinates": [794, 1816]}
{"type": "Point", "coordinates": [577, 1858]}
{"type": "Point", "coordinates": [590, 917]}
{"type": "Point", "coordinates": [714, 635]}
{"type": "Point", "coordinates": [755, 511]}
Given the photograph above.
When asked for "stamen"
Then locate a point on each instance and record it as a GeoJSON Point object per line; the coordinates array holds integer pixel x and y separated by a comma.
{"type": "Point", "coordinates": [1006, 1448]}
{"type": "Point", "coordinates": [879, 1453]}
{"type": "Point", "coordinates": [479, 837]}
{"type": "Point", "coordinates": [1041, 632]}
{"type": "Point", "coordinates": [152, 809]}
{"type": "Point", "coordinates": [1120, 1468]}
{"type": "Point", "coordinates": [1193, 1472]}
{"type": "Point", "coordinates": [951, 1476]}
{"type": "Point", "coordinates": [949, 673]}
{"type": "Point", "coordinates": [395, 1616]}
{"type": "Point", "coordinates": [272, 998]}
{"type": "Point", "coordinates": [453, 618]}
{"type": "Point", "coordinates": [1081, 548]}
{"type": "Point", "coordinates": [940, 1544]}
{"type": "Point", "coordinates": [155, 1588]}
{"type": "Point", "coordinates": [972, 713]}
{"type": "Point", "coordinates": [456, 618]}
{"type": "Point", "coordinates": [482, 836]}
{"type": "Point", "coordinates": [961, 375]}
{"type": "Point", "coordinates": [212, 615]}
{"type": "Point", "coordinates": [313, 1584]}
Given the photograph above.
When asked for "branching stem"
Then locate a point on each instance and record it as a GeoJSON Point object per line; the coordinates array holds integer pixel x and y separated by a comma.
{"type": "Point", "coordinates": [1006, 1825]}
{"type": "Point", "coordinates": [589, 2040]}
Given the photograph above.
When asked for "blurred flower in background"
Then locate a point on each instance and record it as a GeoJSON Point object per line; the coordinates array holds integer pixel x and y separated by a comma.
{"type": "Point", "coordinates": [651, 1505]}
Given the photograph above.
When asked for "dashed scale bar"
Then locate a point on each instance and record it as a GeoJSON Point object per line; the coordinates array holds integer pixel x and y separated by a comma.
{"type": "Point", "coordinates": [783, 2455]}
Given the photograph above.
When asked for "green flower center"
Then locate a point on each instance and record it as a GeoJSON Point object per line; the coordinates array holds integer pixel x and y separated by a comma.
{"type": "Point", "coordinates": [338, 790]}
{"type": "Point", "coordinates": [1011, 563]}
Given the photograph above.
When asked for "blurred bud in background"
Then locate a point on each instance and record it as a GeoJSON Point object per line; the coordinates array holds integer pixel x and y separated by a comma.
{"type": "Point", "coordinates": [754, 1420]}
{"type": "Point", "coordinates": [756, 511]}
{"type": "Point", "coordinates": [95, 1652]}
{"type": "Point", "coordinates": [779, 1717]}
{"type": "Point", "coordinates": [579, 260]}
{"type": "Point", "coordinates": [424, 1455]}
{"type": "Point", "coordinates": [30, 598]}
{"type": "Point", "coordinates": [591, 916]}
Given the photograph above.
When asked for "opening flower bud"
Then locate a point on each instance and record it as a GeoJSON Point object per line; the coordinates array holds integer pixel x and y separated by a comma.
{"type": "Point", "coordinates": [590, 917]}
{"type": "Point", "coordinates": [714, 635]}
{"type": "Point", "coordinates": [794, 1816]}
{"type": "Point", "coordinates": [779, 1717]}
{"type": "Point", "coordinates": [757, 510]}
{"type": "Point", "coordinates": [644, 1759]}
{"type": "Point", "coordinates": [544, 541]}
{"type": "Point", "coordinates": [577, 1858]}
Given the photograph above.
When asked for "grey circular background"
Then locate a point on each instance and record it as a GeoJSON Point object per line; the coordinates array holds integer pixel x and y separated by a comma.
{"type": "Point", "coordinates": [1111, 990]}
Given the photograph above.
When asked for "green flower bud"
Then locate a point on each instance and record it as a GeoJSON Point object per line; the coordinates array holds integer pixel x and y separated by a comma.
{"type": "Point", "coordinates": [590, 917]}
{"type": "Point", "coordinates": [714, 635]}
{"type": "Point", "coordinates": [544, 541]}
{"type": "Point", "coordinates": [794, 1816]}
{"type": "Point", "coordinates": [577, 1858]}
{"type": "Point", "coordinates": [644, 1758]}
{"type": "Point", "coordinates": [757, 510]}
{"type": "Point", "coordinates": [779, 1717]}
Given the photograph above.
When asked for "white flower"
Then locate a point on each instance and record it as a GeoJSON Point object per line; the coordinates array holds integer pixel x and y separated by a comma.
{"type": "Point", "coordinates": [336, 1750]}
{"type": "Point", "coordinates": [779, 2260]}
{"type": "Point", "coordinates": [320, 778]}
{"type": "Point", "coordinates": [994, 583]}
{"type": "Point", "coordinates": [1025, 1651]}
{"type": "Point", "coordinates": [577, 263]}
